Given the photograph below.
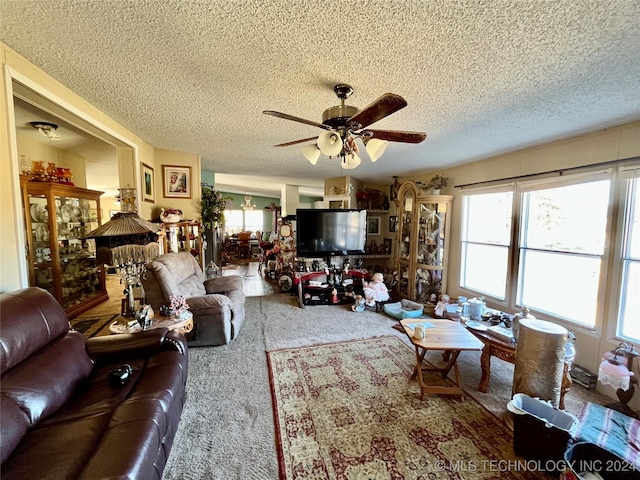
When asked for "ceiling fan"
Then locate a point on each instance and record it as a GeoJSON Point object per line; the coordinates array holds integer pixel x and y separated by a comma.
{"type": "Point", "coordinates": [345, 123]}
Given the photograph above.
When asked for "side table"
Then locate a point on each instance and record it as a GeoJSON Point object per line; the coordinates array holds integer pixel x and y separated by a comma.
{"type": "Point", "coordinates": [184, 325]}
{"type": "Point", "coordinates": [450, 337]}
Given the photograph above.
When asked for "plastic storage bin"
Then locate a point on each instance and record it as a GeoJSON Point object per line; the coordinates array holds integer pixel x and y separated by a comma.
{"type": "Point", "coordinates": [540, 431]}
{"type": "Point", "coordinates": [584, 460]}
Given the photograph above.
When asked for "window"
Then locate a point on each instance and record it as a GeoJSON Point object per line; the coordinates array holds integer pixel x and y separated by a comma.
{"type": "Point", "coordinates": [629, 305]}
{"type": "Point", "coordinates": [559, 262]}
{"type": "Point", "coordinates": [233, 221]}
{"type": "Point", "coordinates": [486, 238]}
{"type": "Point", "coordinates": [243, 221]}
{"type": "Point", "coordinates": [253, 220]}
{"type": "Point", "coordinates": [562, 246]}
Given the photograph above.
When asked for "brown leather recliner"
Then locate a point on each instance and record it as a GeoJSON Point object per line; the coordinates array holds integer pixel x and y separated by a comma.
{"type": "Point", "coordinates": [62, 418]}
{"type": "Point", "coordinates": [217, 304]}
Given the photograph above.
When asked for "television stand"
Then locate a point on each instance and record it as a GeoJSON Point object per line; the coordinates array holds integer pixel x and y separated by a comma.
{"type": "Point", "coordinates": [313, 287]}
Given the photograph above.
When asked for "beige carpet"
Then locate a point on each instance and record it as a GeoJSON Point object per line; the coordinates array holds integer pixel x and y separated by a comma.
{"type": "Point", "coordinates": [227, 427]}
{"type": "Point", "coordinates": [349, 410]}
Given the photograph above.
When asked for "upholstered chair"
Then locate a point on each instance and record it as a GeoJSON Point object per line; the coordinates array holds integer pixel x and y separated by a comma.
{"type": "Point", "coordinates": [217, 304]}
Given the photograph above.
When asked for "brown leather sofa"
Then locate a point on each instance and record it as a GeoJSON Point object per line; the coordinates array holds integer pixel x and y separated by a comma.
{"type": "Point", "coordinates": [62, 418]}
{"type": "Point", "coordinates": [217, 304]}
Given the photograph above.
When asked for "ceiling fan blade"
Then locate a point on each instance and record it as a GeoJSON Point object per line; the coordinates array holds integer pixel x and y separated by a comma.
{"type": "Point", "coordinates": [296, 119]}
{"type": "Point", "coordinates": [295, 142]}
{"type": "Point", "coordinates": [398, 136]}
{"type": "Point", "coordinates": [380, 108]}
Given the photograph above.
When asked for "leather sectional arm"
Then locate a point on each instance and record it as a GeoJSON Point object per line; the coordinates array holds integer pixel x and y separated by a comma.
{"type": "Point", "coordinates": [114, 348]}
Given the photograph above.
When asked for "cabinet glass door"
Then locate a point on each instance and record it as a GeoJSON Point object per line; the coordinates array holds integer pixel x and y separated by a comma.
{"type": "Point", "coordinates": [79, 274]}
{"type": "Point", "coordinates": [406, 226]}
{"type": "Point", "coordinates": [430, 250]}
{"type": "Point", "coordinates": [40, 253]}
{"type": "Point", "coordinates": [430, 247]}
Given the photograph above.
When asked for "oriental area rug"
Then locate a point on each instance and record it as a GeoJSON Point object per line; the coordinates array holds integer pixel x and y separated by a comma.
{"type": "Point", "coordinates": [350, 410]}
{"type": "Point", "coordinates": [92, 326]}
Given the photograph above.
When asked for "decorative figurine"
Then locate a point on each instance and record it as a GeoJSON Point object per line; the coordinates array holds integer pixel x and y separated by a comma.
{"type": "Point", "coordinates": [358, 304]}
{"type": "Point", "coordinates": [376, 290]}
{"type": "Point", "coordinates": [441, 306]}
{"type": "Point", "coordinates": [334, 296]}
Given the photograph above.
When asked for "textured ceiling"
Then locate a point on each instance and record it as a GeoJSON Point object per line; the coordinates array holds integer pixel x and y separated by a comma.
{"type": "Point", "coordinates": [480, 77]}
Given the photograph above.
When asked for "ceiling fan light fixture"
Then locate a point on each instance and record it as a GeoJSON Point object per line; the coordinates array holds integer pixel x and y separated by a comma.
{"type": "Point", "coordinates": [311, 153]}
{"type": "Point", "coordinates": [343, 124]}
{"type": "Point", "coordinates": [375, 148]}
{"type": "Point", "coordinates": [330, 143]}
{"type": "Point", "coordinates": [351, 161]}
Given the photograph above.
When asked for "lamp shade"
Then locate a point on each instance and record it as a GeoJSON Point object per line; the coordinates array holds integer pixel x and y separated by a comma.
{"type": "Point", "coordinates": [351, 161]}
{"type": "Point", "coordinates": [375, 148]}
{"type": "Point", "coordinates": [311, 153]}
{"type": "Point", "coordinates": [619, 358]}
{"type": "Point", "coordinates": [330, 143]}
{"type": "Point", "coordinates": [615, 374]}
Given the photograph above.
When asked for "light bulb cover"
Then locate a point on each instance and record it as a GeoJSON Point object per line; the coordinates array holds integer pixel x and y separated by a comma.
{"type": "Point", "coordinates": [311, 153]}
{"type": "Point", "coordinates": [330, 143]}
{"type": "Point", "coordinates": [375, 148]}
{"type": "Point", "coordinates": [349, 162]}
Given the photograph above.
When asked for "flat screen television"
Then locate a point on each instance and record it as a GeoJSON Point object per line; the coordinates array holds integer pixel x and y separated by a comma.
{"type": "Point", "coordinates": [324, 232]}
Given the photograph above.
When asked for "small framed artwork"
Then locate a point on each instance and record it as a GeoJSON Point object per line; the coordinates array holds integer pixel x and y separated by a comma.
{"type": "Point", "coordinates": [373, 225]}
{"type": "Point", "coordinates": [148, 195]}
{"type": "Point", "coordinates": [176, 181]}
{"type": "Point", "coordinates": [387, 246]}
{"type": "Point", "coordinates": [393, 223]}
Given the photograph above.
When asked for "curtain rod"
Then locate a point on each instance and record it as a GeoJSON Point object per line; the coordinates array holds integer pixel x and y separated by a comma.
{"type": "Point", "coordinates": [559, 171]}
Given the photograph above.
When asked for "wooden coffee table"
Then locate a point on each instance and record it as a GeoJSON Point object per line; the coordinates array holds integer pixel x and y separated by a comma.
{"type": "Point", "coordinates": [447, 336]}
{"type": "Point", "coordinates": [184, 325]}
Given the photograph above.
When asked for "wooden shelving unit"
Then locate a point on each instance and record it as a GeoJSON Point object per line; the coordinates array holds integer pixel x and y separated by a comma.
{"type": "Point", "coordinates": [60, 259]}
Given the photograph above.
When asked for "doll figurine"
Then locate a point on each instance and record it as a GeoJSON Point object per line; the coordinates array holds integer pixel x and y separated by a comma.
{"type": "Point", "coordinates": [376, 290]}
{"type": "Point", "coordinates": [358, 304]}
{"type": "Point", "coordinates": [441, 306]}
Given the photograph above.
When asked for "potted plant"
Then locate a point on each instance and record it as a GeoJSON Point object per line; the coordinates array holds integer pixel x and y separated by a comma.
{"type": "Point", "coordinates": [212, 206]}
{"type": "Point", "coordinates": [437, 183]}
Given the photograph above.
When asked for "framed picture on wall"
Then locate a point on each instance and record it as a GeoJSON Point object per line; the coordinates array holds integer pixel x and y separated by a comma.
{"type": "Point", "coordinates": [373, 225]}
{"type": "Point", "coordinates": [176, 181]}
{"type": "Point", "coordinates": [148, 194]}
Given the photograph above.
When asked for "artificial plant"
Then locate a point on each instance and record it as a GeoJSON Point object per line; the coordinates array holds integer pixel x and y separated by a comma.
{"type": "Point", "coordinates": [212, 205]}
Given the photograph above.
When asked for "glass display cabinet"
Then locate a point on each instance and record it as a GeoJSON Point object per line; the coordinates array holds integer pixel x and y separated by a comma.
{"type": "Point", "coordinates": [423, 244]}
{"type": "Point", "coordinates": [60, 259]}
{"type": "Point", "coordinates": [184, 237]}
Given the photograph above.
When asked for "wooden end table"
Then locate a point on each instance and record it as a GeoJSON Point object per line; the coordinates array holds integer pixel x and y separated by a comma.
{"type": "Point", "coordinates": [496, 347]}
{"type": "Point", "coordinates": [184, 325]}
{"type": "Point", "coordinates": [450, 337]}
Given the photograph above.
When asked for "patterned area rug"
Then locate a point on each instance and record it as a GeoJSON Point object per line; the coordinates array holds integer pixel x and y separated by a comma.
{"type": "Point", "coordinates": [349, 410]}
{"type": "Point", "coordinates": [92, 326]}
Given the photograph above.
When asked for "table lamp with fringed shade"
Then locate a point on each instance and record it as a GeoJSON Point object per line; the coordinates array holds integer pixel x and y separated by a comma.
{"type": "Point", "coordinates": [127, 242]}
